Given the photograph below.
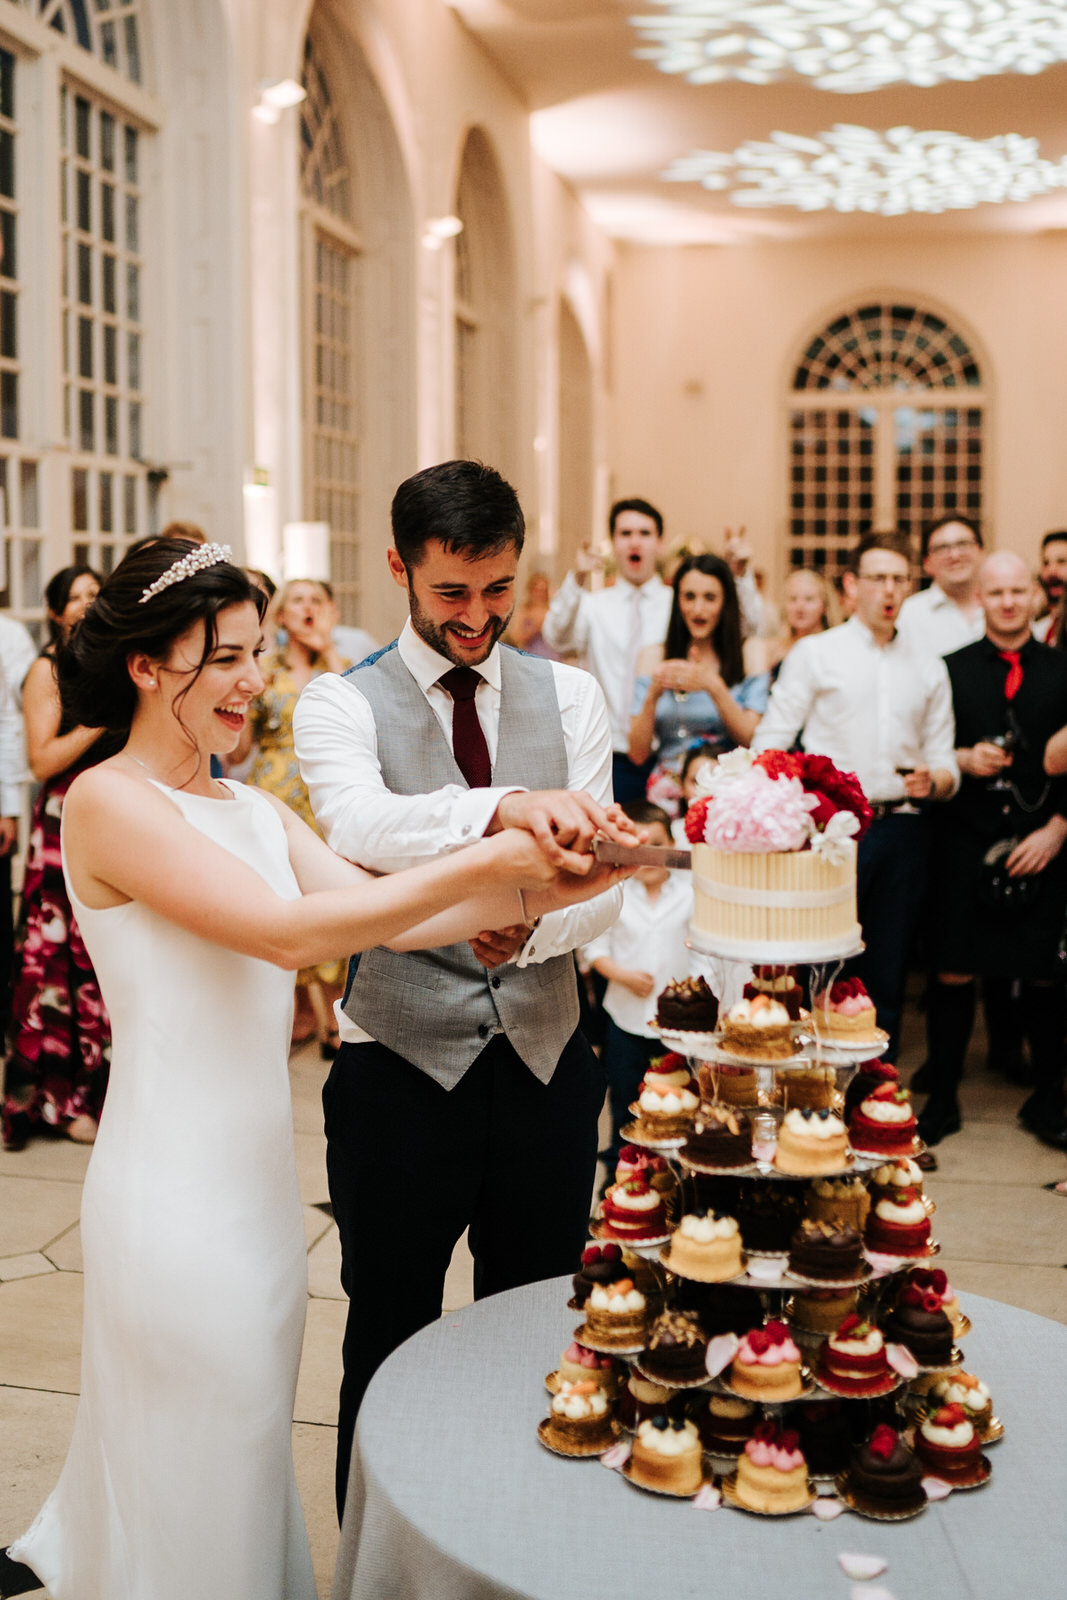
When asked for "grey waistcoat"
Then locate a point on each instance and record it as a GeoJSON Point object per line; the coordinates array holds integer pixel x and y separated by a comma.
{"type": "Point", "coordinates": [438, 1008]}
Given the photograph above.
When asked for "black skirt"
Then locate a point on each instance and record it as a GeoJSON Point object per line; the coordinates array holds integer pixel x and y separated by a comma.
{"type": "Point", "coordinates": [969, 935]}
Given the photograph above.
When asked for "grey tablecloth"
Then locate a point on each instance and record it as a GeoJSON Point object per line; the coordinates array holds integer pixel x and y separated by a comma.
{"type": "Point", "coordinates": [452, 1498]}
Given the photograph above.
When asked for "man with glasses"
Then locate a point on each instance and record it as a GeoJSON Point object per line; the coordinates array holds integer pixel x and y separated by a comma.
{"type": "Point", "coordinates": [947, 615]}
{"type": "Point", "coordinates": [877, 706]}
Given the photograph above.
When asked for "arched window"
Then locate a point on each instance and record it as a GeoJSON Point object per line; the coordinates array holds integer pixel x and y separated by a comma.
{"type": "Point", "coordinates": [109, 28]}
{"type": "Point", "coordinates": [886, 430]}
{"type": "Point", "coordinates": [332, 284]}
{"type": "Point", "coordinates": [483, 295]}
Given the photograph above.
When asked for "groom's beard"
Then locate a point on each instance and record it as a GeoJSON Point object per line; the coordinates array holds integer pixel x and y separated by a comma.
{"type": "Point", "coordinates": [439, 637]}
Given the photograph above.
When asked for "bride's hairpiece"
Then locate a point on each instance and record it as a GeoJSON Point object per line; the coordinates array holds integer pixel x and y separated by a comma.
{"type": "Point", "coordinates": [205, 555]}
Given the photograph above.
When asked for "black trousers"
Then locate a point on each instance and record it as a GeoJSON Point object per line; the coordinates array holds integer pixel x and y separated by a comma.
{"type": "Point", "coordinates": [891, 870]}
{"type": "Point", "coordinates": [411, 1164]}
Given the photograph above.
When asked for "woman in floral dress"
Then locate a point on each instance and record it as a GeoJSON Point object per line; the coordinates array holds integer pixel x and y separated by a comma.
{"type": "Point", "coordinates": [56, 1072]}
{"type": "Point", "coordinates": [306, 613]}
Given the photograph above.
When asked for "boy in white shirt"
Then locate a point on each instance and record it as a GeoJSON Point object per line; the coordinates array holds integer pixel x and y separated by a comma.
{"type": "Point", "coordinates": [639, 955]}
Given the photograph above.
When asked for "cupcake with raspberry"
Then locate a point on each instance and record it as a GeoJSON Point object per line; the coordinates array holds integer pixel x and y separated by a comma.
{"type": "Point", "coordinates": [898, 1226]}
{"type": "Point", "coordinates": [844, 1014]}
{"type": "Point", "coordinates": [918, 1322]}
{"type": "Point", "coordinates": [671, 1070]}
{"type": "Point", "coordinates": [870, 1075]}
{"type": "Point", "coordinates": [579, 1364]}
{"type": "Point", "coordinates": [948, 1446]}
{"type": "Point", "coordinates": [884, 1477]}
{"type": "Point", "coordinates": [633, 1210]}
{"type": "Point", "coordinates": [853, 1361]}
{"type": "Point", "coordinates": [883, 1124]}
{"type": "Point", "coordinates": [601, 1263]}
{"type": "Point", "coordinates": [935, 1278]}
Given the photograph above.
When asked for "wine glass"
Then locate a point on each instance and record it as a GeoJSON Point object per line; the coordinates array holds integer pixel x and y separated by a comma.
{"type": "Point", "coordinates": [907, 809]}
{"type": "Point", "coordinates": [1005, 741]}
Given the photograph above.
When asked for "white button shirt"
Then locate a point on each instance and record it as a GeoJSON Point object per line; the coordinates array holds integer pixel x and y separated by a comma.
{"type": "Point", "coordinates": [17, 655]}
{"type": "Point", "coordinates": [597, 625]}
{"type": "Point", "coordinates": [649, 936]}
{"type": "Point", "coordinates": [337, 747]}
{"type": "Point", "coordinates": [869, 708]}
{"type": "Point", "coordinates": [932, 621]}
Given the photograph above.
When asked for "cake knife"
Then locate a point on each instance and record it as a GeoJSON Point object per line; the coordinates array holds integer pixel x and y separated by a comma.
{"type": "Point", "coordinates": [642, 855]}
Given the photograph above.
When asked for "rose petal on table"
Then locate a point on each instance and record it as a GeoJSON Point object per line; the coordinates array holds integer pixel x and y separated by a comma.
{"type": "Point", "coordinates": [901, 1360]}
{"type": "Point", "coordinates": [763, 1149]}
{"type": "Point", "coordinates": [766, 1270]}
{"type": "Point", "coordinates": [856, 1565]}
{"type": "Point", "coordinates": [870, 1591]}
{"type": "Point", "coordinates": [882, 1263]}
{"type": "Point", "coordinates": [937, 1488]}
{"type": "Point", "coordinates": [709, 1498]}
{"type": "Point", "coordinates": [721, 1352]}
{"type": "Point", "coordinates": [827, 1507]}
{"type": "Point", "coordinates": [617, 1457]}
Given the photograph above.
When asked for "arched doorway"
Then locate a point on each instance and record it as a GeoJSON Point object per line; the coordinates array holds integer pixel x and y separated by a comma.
{"type": "Point", "coordinates": [575, 449]}
{"type": "Point", "coordinates": [484, 297]}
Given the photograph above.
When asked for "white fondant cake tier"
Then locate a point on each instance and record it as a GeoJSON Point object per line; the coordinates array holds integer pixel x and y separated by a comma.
{"type": "Point", "coordinates": [775, 907]}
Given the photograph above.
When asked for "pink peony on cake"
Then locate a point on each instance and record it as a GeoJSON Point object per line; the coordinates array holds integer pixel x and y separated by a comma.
{"type": "Point", "coordinates": [774, 858]}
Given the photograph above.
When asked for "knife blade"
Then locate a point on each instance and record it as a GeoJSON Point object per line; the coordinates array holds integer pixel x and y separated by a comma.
{"type": "Point", "coordinates": [642, 855]}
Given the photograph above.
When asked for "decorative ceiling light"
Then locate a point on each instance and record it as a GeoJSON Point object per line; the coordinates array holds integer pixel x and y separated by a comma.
{"type": "Point", "coordinates": [853, 45]}
{"type": "Point", "coordinates": [857, 169]}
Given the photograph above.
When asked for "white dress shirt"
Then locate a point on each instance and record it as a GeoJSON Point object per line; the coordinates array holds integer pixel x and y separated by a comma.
{"type": "Point", "coordinates": [17, 655]}
{"type": "Point", "coordinates": [597, 625]}
{"type": "Point", "coordinates": [932, 621]}
{"type": "Point", "coordinates": [337, 747]}
{"type": "Point", "coordinates": [870, 708]}
{"type": "Point", "coordinates": [649, 936]}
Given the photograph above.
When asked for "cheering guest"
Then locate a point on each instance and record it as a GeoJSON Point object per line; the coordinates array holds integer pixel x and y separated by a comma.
{"type": "Point", "coordinates": [610, 628]}
{"type": "Point", "coordinates": [809, 605]}
{"type": "Point", "coordinates": [947, 615]}
{"type": "Point", "coordinates": [1053, 580]}
{"type": "Point", "coordinates": [693, 685]}
{"type": "Point", "coordinates": [863, 696]}
{"type": "Point", "coordinates": [1000, 872]}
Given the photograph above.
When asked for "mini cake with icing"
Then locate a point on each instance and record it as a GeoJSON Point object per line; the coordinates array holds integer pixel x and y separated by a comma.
{"type": "Point", "coordinates": [822, 1310]}
{"type": "Point", "coordinates": [667, 1456]}
{"type": "Point", "coordinates": [831, 1250]}
{"type": "Point", "coordinates": [884, 1123]}
{"type": "Point", "coordinates": [767, 1364]}
{"type": "Point", "coordinates": [853, 1360]}
{"type": "Point", "coordinates": [935, 1278]}
{"type": "Point", "coordinates": [918, 1322]}
{"type": "Point", "coordinates": [579, 1419]}
{"type": "Point", "coordinates": [777, 983]}
{"type": "Point", "coordinates": [687, 1005]}
{"type": "Point", "coordinates": [772, 1474]}
{"type": "Point", "coordinates": [706, 1247]}
{"type": "Point", "coordinates": [640, 1399]}
{"type": "Point", "coordinates": [870, 1075]}
{"type": "Point", "coordinates": [664, 1112]}
{"type": "Point", "coordinates": [719, 1137]}
{"type": "Point", "coordinates": [578, 1364]}
{"type": "Point", "coordinates": [768, 1213]}
{"type": "Point", "coordinates": [676, 1349]}
{"type": "Point", "coordinates": [888, 1180]}
{"type": "Point", "coordinates": [845, 1014]}
{"type": "Point", "coordinates": [634, 1210]}
{"type": "Point", "coordinates": [963, 1389]}
{"type": "Point", "coordinates": [884, 1475]}
{"type": "Point", "coordinates": [813, 1086]}
{"type": "Point", "coordinates": [898, 1226]}
{"type": "Point", "coordinates": [947, 1444]}
{"type": "Point", "coordinates": [731, 1085]}
{"type": "Point", "coordinates": [839, 1200]}
{"type": "Point", "coordinates": [671, 1069]}
{"type": "Point", "coordinates": [726, 1423]}
{"type": "Point", "coordinates": [825, 1435]}
{"type": "Point", "coordinates": [811, 1143]}
{"type": "Point", "coordinates": [601, 1263]}
{"type": "Point", "coordinates": [616, 1316]}
{"type": "Point", "coordinates": [760, 1028]}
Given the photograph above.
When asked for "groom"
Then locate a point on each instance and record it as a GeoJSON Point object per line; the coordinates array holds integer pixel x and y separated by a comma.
{"type": "Point", "coordinates": [463, 1094]}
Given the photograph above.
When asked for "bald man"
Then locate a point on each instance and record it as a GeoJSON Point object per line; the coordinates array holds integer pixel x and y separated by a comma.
{"type": "Point", "coordinates": [1000, 869]}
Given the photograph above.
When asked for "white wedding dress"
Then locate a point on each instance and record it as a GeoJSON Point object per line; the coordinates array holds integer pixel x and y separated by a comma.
{"type": "Point", "coordinates": [179, 1482]}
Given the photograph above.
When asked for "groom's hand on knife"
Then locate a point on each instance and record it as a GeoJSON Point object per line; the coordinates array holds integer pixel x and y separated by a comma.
{"type": "Point", "coordinates": [565, 822]}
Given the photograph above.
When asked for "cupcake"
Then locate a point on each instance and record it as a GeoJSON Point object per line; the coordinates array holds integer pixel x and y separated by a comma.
{"type": "Point", "coordinates": [832, 1250]}
{"type": "Point", "coordinates": [772, 1474]}
{"type": "Point", "coordinates": [640, 1399]}
{"type": "Point", "coordinates": [726, 1423]}
{"type": "Point", "coordinates": [870, 1075]}
{"type": "Point", "coordinates": [760, 1028]}
{"type": "Point", "coordinates": [822, 1310]}
{"type": "Point", "coordinates": [634, 1210]}
{"type": "Point", "coordinates": [963, 1389]}
{"type": "Point", "coordinates": [664, 1112]}
{"type": "Point", "coordinates": [918, 1322]}
{"type": "Point", "coordinates": [688, 1005]}
{"type": "Point", "coordinates": [947, 1444]}
{"type": "Point", "coordinates": [601, 1263]}
{"type": "Point", "coordinates": [853, 1361]}
{"type": "Point", "coordinates": [811, 1143]}
{"type": "Point", "coordinates": [935, 1278]}
{"type": "Point", "coordinates": [706, 1247]}
{"type": "Point", "coordinates": [616, 1315]}
{"type": "Point", "coordinates": [899, 1225]}
{"type": "Point", "coordinates": [838, 1200]}
{"type": "Point", "coordinates": [884, 1476]}
{"type": "Point", "coordinates": [884, 1123]}
{"type": "Point", "coordinates": [667, 1456]}
{"type": "Point", "coordinates": [767, 1364]}
{"type": "Point", "coordinates": [579, 1420]}
{"type": "Point", "coordinates": [578, 1364]}
{"type": "Point", "coordinates": [676, 1349]}
{"type": "Point", "coordinates": [719, 1137]}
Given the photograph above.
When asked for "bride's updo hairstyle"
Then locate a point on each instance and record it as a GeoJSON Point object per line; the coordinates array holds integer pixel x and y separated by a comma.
{"type": "Point", "coordinates": [94, 681]}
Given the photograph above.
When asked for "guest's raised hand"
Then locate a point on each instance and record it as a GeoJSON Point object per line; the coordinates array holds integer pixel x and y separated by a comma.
{"type": "Point", "coordinates": [587, 561]}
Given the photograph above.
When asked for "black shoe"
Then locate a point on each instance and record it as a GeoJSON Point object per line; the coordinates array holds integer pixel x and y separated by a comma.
{"type": "Point", "coordinates": [1014, 1070]}
{"type": "Point", "coordinates": [1050, 1133]}
{"type": "Point", "coordinates": [922, 1079]}
{"type": "Point", "coordinates": [937, 1121]}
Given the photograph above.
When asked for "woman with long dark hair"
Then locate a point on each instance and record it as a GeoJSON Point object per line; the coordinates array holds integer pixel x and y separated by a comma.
{"type": "Point", "coordinates": [56, 1071]}
{"type": "Point", "coordinates": [694, 685]}
{"type": "Point", "coordinates": [198, 899]}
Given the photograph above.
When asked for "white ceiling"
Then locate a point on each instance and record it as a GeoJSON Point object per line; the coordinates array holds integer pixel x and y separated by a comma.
{"type": "Point", "coordinates": [611, 123]}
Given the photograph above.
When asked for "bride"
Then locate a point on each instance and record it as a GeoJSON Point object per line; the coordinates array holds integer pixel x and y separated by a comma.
{"type": "Point", "coordinates": [197, 900]}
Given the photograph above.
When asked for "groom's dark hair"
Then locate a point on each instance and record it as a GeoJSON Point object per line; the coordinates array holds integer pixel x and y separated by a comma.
{"type": "Point", "coordinates": [465, 504]}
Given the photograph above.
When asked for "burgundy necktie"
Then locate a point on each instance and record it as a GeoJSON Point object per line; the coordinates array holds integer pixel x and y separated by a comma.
{"type": "Point", "coordinates": [1015, 673]}
{"type": "Point", "coordinates": [468, 740]}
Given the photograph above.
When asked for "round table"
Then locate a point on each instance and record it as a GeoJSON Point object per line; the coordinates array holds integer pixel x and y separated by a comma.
{"type": "Point", "coordinates": [451, 1496]}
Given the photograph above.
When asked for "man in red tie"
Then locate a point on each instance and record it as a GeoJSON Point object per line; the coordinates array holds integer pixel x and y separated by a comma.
{"type": "Point", "coordinates": [463, 1094]}
{"type": "Point", "coordinates": [1000, 870]}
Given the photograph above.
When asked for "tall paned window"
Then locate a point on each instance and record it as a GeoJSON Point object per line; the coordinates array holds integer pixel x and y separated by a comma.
{"type": "Point", "coordinates": [332, 276]}
{"type": "Point", "coordinates": [886, 431]}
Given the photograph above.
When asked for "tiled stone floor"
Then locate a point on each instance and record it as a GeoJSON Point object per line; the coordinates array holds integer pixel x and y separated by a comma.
{"type": "Point", "coordinates": [1003, 1234]}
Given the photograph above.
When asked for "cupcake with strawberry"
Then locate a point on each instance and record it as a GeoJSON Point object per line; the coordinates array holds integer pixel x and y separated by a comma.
{"type": "Point", "coordinates": [844, 1013]}
{"type": "Point", "coordinates": [884, 1123]}
{"type": "Point", "coordinates": [948, 1446]}
{"type": "Point", "coordinates": [898, 1225]}
{"type": "Point", "coordinates": [634, 1210]}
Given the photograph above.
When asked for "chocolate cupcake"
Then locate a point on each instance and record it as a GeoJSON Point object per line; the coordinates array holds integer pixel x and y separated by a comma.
{"type": "Point", "coordinates": [918, 1322]}
{"type": "Point", "coordinates": [884, 1475]}
{"type": "Point", "coordinates": [676, 1349]}
{"type": "Point", "coordinates": [601, 1263]}
{"type": "Point", "coordinates": [768, 1214]}
{"type": "Point", "coordinates": [689, 1005]}
{"type": "Point", "coordinates": [831, 1250]}
{"type": "Point", "coordinates": [719, 1137]}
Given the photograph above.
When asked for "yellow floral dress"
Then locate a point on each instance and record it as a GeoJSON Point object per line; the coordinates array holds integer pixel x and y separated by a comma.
{"type": "Point", "coordinates": [275, 769]}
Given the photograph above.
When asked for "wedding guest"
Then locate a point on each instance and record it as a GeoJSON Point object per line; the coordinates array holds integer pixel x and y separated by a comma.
{"type": "Point", "coordinates": [608, 629]}
{"type": "Point", "coordinates": [693, 683]}
{"type": "Point", "coordinates": [57, 1067]}
{"type": "Point", "coordinates": [527, 623]}
{"type": "Point", "coordinates": [1000, 871]}
{"type": "Point", "coordinates": [947, 615]}
{"type": "Point", "coordinates": [470, 1057]}
{"type": "Point", "coordinates": [17, 655]}
{"type": "Point", "coordinates": [1053, 580]}
{"type": "Point", "coordinates": [862, 695]}
{"type": "Point", "coordinates": [699, 753]}
{"type": "Point", "coordinates": [809, 605]}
